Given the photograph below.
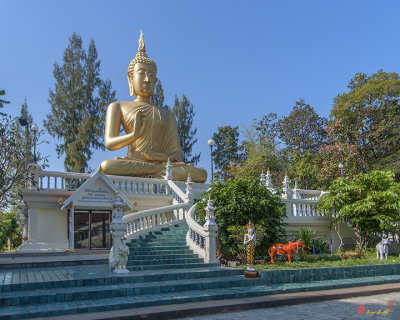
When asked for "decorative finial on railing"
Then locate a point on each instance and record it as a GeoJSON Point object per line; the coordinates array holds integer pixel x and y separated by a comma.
{"type": "Point", "coordinates": [286, 187]}
{"type": "Point", "coordinates": [296, 192]}
{"type": "Point", "coordinates": [189, 189]}
{"type": "Point", "coordinates": [263, 179]}
{"type": "Point", "coordinates": [168, 171]}
{"type": "Point", "coordinates": [119, 251]}
{"type": "Point", "coordinates": [210, 217]}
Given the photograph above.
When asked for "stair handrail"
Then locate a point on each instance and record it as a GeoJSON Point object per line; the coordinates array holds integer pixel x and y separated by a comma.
{"type": "Point", "coordinates": [202, 239]}
{"type": "Point", "coordinates": [141, 222]}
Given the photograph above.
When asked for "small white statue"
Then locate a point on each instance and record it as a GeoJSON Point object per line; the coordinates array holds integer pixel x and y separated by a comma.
{"type": "Point", "coordinates": [122, 257]}
{"type": "Point", "coordinates": [382, 249]}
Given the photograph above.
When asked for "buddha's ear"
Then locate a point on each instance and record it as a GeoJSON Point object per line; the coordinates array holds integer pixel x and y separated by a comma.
{"type": "Point", "coordinates": [131, 88]}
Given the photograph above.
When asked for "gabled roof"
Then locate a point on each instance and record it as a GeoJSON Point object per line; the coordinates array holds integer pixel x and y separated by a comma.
{"type": "Point", "coordinates": [98, 179]}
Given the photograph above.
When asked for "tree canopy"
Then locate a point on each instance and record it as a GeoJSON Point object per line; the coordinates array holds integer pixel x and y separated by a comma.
{"type": "Point", "coordinates": [226, 148]}
{"type": "Point", "coordinates": [78, 104]}
{"type": "Point", "coordinates": [364, 127]}
{"type": "Point", "coordinates": [242, 199]}
{"type": "Point", "coordinates": [3, 102]}
{"type": "Point", "coordinates": [184, 115]}
{"type": "Point", "coordinates": [369, 203]}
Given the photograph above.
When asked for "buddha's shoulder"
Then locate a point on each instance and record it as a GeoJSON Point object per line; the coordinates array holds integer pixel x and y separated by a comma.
{"type": "Point", "coordinates": [124, 105]}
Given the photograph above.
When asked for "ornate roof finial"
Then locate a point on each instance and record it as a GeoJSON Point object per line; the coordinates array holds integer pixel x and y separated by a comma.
{"type": "Point", "coordinates": [141, 56]}
{"type": "Point", "coordinates": [142, 46]}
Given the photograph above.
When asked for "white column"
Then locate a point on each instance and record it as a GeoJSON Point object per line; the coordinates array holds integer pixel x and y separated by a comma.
{"type": "Point", "coordinates": [33, 224]}
{"type": "Point", "coordinates": [210, 228]}
{"type": "Point", "coordinates": [71, 227]}
{"type": "Point", "coordinates": [210, 240]}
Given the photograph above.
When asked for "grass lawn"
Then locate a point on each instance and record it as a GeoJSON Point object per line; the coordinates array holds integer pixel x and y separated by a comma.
{"type": "Point", "coordinates": [370, 259]}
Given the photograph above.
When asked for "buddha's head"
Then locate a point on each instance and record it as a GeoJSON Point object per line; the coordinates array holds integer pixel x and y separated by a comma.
{"type": "Point", "coordinates": [142, 72]}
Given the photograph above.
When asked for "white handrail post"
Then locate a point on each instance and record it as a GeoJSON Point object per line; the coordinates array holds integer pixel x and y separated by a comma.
{"type": "Point", "coordinates": [189, 190]}
{"type": "Point", "coordinates": [287, 191]}
{"type": "Point", "coordinates": [119, 252]}
{"type": "Point", "coordinates": [210, 228]}
{"type": "Point", "coordinates": [34, 170]}
{"type": "Point", "coordinates": [268, 182]}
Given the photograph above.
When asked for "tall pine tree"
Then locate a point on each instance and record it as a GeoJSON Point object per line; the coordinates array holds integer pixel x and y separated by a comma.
{"type": "Point", "coordinates": [159, 96]}
{"type": "Point", "coordinates": [3, 102]}
{"type": "Point", "coordinates": [78, 104]}
{"type": "Point", "coordinates": [184, 114]}
{"type": "Point", "coordinates": [226, 149]}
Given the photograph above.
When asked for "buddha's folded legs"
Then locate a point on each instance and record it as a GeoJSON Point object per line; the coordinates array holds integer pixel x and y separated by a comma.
{"type": "Point", "coordinates": [134, 168]}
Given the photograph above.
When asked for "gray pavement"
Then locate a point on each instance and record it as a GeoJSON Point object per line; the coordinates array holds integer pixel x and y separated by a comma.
{"type": "Point", "coordinates": [328, 310]}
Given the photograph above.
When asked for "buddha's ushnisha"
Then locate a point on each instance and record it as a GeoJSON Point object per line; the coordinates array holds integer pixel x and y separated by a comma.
{"type": "Point", "coordinates": [151, 133]}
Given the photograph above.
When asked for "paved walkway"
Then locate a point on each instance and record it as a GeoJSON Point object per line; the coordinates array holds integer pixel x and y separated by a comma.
{"type": "Point", "coordinates": [328, 310]}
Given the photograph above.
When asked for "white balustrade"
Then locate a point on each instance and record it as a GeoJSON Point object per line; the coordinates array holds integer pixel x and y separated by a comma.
{"type": "Point", "coordinates": [147, 220]}
{"type": "Point", "coordinates": [55, 180]}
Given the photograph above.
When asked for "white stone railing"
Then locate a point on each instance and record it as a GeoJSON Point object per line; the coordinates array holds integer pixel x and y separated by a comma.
{"type": "Point", "coordinates": [55, 180]}
{"type": "Point", "coordinates": [302, 208]}
{"type": "Point", "coordinates": [196, 236]}
{"type": "Point", "coordinates": [202, 239]}
{"type": "Point", "coordinates": [142, 222]}
{"type": "Point", "coordinates": [306, 194]}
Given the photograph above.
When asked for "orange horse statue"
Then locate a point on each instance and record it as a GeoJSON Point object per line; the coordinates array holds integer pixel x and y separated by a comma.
{"type": "Point", "coordinates": [289, 249]}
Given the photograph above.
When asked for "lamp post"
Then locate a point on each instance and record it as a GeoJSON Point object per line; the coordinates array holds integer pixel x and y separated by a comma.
{"type": "Point", "coordinates": [341, 168]}
{"type": "Point", "coordinates": [35, 130]}
{"type": "Point", "coordinates": [211, 143]}
{"type": "Point", "coordinates": [24, 123]}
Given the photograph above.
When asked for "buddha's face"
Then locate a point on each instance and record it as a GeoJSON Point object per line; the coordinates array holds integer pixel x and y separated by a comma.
{"type": "Point", "coordinates": [143, 79]}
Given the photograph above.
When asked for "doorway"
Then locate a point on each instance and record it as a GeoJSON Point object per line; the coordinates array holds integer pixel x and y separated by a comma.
{"type": "Point", "coordinates": [92, 229]}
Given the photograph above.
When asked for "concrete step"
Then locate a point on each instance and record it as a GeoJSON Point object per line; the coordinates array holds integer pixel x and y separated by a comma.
{"type": "Point", "coordinates": [96, 275]}
{"type": "Point", "coordinates": [162, 262]}
{"type": "Point", "coordinates": [137, 301]}
{"type": "Point", "coordinates": [57, 295]}
{"type": "Point", "coordinates": [161, 257]}
{"type": "Point", "coordinates": [172, 266]}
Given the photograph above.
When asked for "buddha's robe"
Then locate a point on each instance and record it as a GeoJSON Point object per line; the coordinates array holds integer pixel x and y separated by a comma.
{"type": "Point", "coordinates": [159, 140]}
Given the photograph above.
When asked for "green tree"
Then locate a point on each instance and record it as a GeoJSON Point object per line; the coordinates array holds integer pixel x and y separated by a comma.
{"type": "Point", "coordinates": [303, 133]}
{"type": "Point", "coordinates": [10, 235]}
{"type": "Point", "coordinates": [239, 200]}
{"type": "Point", "coordinates": [12, 164]}
{"type": "Point", "coordinates": [159, 96]}
{"type": "Point", "coordinates": [303, 130]}
{"type": "Point", "coordinates": [261, 151]}
{"type": "Point", "coordinates": [226, 148]}
{"type": "Point", "coordinates": [364, 127]}
{"type": "Point", "coordinates": [184, 115]}
{"type": "Point", "coordinates": [3, 102]}
{"type": "Point", "coordinates": [369, 203]}
{"type": "Point", "coordinates": [78, 103]}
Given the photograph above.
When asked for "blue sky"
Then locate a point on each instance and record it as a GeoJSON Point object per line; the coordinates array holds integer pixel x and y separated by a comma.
{"type": "Point", "coordinates": [234, 60]}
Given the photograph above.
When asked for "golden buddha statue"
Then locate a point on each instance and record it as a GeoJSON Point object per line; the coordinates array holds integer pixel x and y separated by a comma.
{"type": "Point", "coordinates": [151, 133]}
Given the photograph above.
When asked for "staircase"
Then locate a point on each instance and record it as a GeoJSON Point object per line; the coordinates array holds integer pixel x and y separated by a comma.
{"type": "Point", "coordinates": [164, 271]}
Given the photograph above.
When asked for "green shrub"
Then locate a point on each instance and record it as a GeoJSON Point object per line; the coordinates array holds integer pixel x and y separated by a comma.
{"type": "Point", "coordinates": [237, 201]}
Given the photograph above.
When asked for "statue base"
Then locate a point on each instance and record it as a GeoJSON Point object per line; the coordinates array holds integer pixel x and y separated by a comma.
{"type": "Point", "coordinates": [120, 271]}
{"type": "Point", "coordinates": [250, 273]}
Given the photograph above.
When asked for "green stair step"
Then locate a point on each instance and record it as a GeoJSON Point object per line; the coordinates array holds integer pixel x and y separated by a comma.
{"type": "Point", "coordinates": [171, 266]}
{"type": "Point", "coordinates": [120, 290]}
{"type": "Point", "coordinates": [78, 276]}
{"type": "Point", "coordinates": [118, 303]}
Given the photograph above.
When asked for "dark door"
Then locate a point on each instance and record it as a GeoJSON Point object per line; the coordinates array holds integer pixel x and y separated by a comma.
{"type": "Point", "coordinates": [92, 229]}
{"type": "Point", "coordinates": [100, 230]}
{"type": "Point", "coordinates": [81, 229]}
